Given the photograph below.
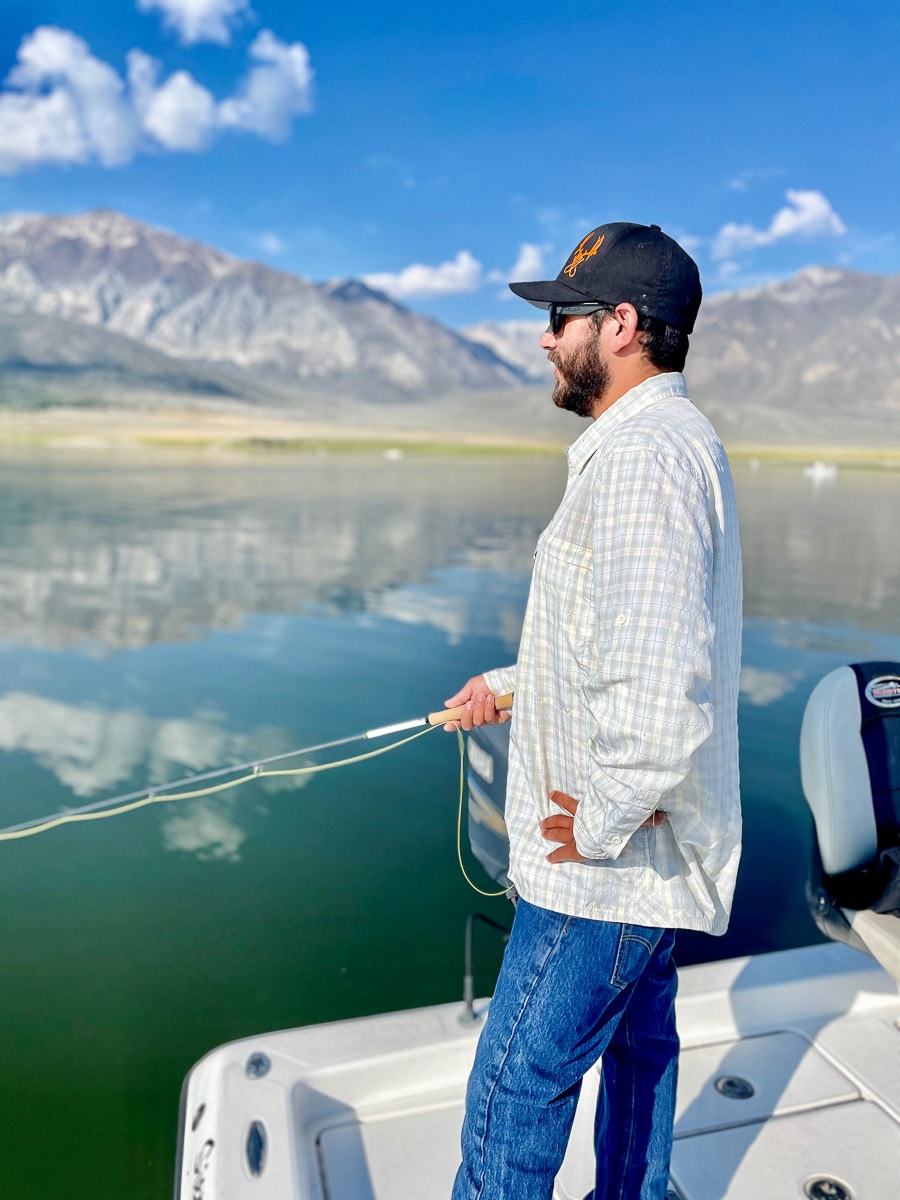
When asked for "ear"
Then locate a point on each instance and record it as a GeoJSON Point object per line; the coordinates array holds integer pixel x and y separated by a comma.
{"type": "Point", "coordinates": [626, 335]}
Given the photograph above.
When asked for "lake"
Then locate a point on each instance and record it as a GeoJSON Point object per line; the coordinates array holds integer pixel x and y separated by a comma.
{"type": "Point", "coordinates": [166, 614]}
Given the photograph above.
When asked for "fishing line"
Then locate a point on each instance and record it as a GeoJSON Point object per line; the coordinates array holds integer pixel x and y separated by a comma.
{"type": "Point", "coordinates": [115, 807]}
{"type": "Point", "coordinates": [164, 794]}
{"type": "Point", "coordinates": [459, 818]}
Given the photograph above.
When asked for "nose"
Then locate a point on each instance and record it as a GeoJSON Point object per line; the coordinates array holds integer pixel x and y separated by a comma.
{"type": "Point", "coordinates": [548, 340]}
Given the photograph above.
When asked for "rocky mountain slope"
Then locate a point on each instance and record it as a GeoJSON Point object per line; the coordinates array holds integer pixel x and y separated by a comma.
{"type": "Point", "coordinates": [516, 342]}
{"type": "Point", "coordinates": [809, 358]}
{"type": "Point", "coordinates": [195, 304]}
{"type": "Point", "coordinates": [99, 308]}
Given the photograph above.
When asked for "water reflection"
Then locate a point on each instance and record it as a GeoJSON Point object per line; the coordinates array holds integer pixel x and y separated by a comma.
{"type": "Point", "coordinates": [761, 686]}
{"type": "Point", "coordinates": [90, 750]}
{"type": "Point", "coordinates": [207, 829]}
{"type": "Point", "coordinates": [821, 555]}
{"type": "Point", "coordinates": [108, 556]}
{"type": "Point", "coordinates": [165, 616]}
{"type": "Point", "coordinates": [112, 556]}
{"type": "Point", "coordinates": [105, 557]}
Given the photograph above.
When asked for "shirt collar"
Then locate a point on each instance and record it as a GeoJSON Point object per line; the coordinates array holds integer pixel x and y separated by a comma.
{"type": "Point", "coordinates": [658, 387]}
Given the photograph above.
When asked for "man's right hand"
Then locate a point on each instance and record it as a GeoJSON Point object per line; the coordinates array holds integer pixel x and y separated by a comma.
{"type": "Point", "coordinates": [478, 700]}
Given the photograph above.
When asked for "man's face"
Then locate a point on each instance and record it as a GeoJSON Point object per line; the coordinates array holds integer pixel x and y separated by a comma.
{"type": "Point", "coordinates": [582, 368]}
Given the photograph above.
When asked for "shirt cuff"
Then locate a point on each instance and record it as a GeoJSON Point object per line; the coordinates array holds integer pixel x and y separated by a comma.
{"type": "Point", "coordinates": [501, 681]}
{"type": "Point", "coordinates": [588, 847]}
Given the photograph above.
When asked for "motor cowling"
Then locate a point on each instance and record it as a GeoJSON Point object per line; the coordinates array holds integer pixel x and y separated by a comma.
{"type": "Point", "coordinates": [850, 769]}
{"type": "Point", "coordinates": [487, 748]}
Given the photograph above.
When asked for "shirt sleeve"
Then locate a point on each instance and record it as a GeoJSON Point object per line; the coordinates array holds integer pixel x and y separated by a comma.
{"type": "Point", "coordinates": [501, 681]}
{"type": "Point", "coordinates": [647, 689]}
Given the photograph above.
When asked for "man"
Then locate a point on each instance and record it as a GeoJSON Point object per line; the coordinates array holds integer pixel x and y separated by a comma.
{"type": "Point", "coordinates": [622, 797]}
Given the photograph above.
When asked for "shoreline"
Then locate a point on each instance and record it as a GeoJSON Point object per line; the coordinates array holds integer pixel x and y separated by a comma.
{"type": "Point", "coordinates": [251, 433]}
{"type": "Point", "coordinates": [238, 432]}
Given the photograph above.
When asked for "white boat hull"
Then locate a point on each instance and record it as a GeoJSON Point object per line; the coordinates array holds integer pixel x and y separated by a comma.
{"type": "Point", "coordinates": [370, 1109]}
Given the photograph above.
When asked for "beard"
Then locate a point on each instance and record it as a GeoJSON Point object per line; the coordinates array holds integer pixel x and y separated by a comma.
{"type": "Point", "coordinates": [583, 381]}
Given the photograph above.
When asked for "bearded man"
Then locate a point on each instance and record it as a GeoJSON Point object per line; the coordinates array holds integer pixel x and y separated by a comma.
{"type": "Point", "coordinates": [622, 799]}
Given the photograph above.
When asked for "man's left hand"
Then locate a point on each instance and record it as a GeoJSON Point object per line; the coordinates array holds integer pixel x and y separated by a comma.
{"type": "Point", "coordinates": [561, 828]}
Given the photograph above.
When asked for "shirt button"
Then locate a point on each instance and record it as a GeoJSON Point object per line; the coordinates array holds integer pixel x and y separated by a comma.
{"type": "Point", "coordinates": [615, 840]}
{"type": "Point", "coordinates": [621, 619]}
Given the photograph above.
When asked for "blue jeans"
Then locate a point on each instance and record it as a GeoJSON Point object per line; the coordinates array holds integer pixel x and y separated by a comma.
{"type": "Point", "coordinates": [569, 990]}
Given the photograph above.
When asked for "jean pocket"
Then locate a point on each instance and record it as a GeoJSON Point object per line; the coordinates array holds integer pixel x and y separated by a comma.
{"type": "Point", "coordinates": [633, 953]}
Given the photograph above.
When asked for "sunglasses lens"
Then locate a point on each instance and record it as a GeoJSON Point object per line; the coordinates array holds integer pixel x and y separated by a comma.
{"type": "Point", "coordinates": [557, 320]}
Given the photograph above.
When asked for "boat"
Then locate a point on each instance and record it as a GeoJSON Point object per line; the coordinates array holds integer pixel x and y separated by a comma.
{"type": "Point", "coordinates": [789, 1073]}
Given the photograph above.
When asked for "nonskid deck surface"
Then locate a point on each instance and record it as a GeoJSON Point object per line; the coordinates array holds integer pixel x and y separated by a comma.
{"type": "Point", "coordinates": [789, 1088]}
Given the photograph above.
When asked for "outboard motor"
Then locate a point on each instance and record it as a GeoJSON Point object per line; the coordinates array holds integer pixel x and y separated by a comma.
{"type": "Point", "coordinates": [850, 768]}
{"type": "Point", "coordinates": [487, 748]}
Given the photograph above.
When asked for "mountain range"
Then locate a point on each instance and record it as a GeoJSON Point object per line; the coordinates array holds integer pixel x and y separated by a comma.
{"type": "Point", "coordinates": [100, 309]}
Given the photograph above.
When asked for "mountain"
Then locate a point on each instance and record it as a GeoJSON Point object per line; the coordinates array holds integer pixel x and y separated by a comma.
{"type": "Point", "coordinates": [204, 308]}
{"type": "Point", "coordinates": [45, 360]}
{"type": "Point", "coordinates": [516, 342]}
{"type": "Point", "coordinates": [98, 308]}
{"type": "Point", "coordinates": [813, 357]}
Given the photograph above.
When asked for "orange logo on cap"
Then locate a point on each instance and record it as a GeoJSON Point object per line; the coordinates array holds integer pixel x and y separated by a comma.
{"type": "Point", "coordinates": [581, 254]}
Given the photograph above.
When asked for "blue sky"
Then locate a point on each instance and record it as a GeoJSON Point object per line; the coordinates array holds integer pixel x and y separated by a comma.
{"type": "Point", "coordinates": [440, 149]}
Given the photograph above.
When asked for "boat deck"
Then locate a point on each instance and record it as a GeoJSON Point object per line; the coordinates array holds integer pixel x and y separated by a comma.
{"type": "Point", "coordinates": [789, 1088]}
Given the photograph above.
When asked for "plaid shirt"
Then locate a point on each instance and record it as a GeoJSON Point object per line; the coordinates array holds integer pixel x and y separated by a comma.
{"type": "Point", "coordinates": [626, 682]}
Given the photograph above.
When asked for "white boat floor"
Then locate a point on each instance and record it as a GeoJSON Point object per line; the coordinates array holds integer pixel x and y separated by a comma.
{"type": "Point", "coordinates": [789, 1089]}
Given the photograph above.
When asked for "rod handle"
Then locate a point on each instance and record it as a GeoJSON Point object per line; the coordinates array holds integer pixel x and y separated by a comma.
{"type": "Point", "coordinates": [454, 714]}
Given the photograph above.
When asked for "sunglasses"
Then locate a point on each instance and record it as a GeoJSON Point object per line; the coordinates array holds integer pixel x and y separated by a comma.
{"type": "Point", "coordinates": [559, 312]}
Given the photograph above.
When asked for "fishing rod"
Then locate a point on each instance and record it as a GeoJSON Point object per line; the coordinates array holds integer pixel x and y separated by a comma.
{"type": "Point", "coordinates": [164, 793]}
{"type": "Point", "coordinates": [501, 704]}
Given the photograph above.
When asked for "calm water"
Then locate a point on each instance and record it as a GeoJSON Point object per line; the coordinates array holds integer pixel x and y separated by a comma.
{"type": "Point", "coordinates": [167, 615]}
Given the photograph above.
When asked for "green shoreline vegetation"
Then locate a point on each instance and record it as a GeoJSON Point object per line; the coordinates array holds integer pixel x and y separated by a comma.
{"type": "Point", "coordinates": [225, 433]}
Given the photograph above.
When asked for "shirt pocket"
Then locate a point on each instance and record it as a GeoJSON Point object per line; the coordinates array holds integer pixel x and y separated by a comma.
{"type": "Point", "coordinates": [563, 588]}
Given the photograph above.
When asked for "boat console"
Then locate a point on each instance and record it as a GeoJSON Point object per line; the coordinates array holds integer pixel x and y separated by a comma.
{"type": "Point", "coordinates": [850, 769]}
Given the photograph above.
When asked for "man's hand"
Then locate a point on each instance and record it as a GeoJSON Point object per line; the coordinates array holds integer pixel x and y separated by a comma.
{"type": "Point", "coordinates": [479, 704]}
{"type": "Point", "coordinates": [561, 828]}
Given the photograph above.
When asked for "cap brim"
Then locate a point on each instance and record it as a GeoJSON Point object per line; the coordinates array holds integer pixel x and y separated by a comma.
{"type": "Point", "coordinates": [543, 293]}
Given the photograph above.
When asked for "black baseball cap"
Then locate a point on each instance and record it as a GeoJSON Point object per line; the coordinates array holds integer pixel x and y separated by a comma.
{"type": "Point", "coordinates": [625, 263]}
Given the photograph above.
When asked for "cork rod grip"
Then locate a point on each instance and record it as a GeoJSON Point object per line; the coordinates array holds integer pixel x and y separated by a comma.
{"type": "Point", "coordinates": [454, 714]}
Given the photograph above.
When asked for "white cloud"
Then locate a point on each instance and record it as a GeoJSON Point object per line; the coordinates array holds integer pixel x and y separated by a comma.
{"type": "Point", "coordinates": [179, 115]}
{"type": "Point", "coordinates": [62, 105]}
{"type": "Point", "coordinates": [273, 92]}
{"type": "Point", "coordinates": [528, 265]}
{"type": "Point", "coordinates": [806, 214]}
{"type": "Point", "coordinates": [200, 20]}
{"type": "Point", "coordinates": [39, 129]}
{"type": "Point", "coordinates": [463, 274]}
